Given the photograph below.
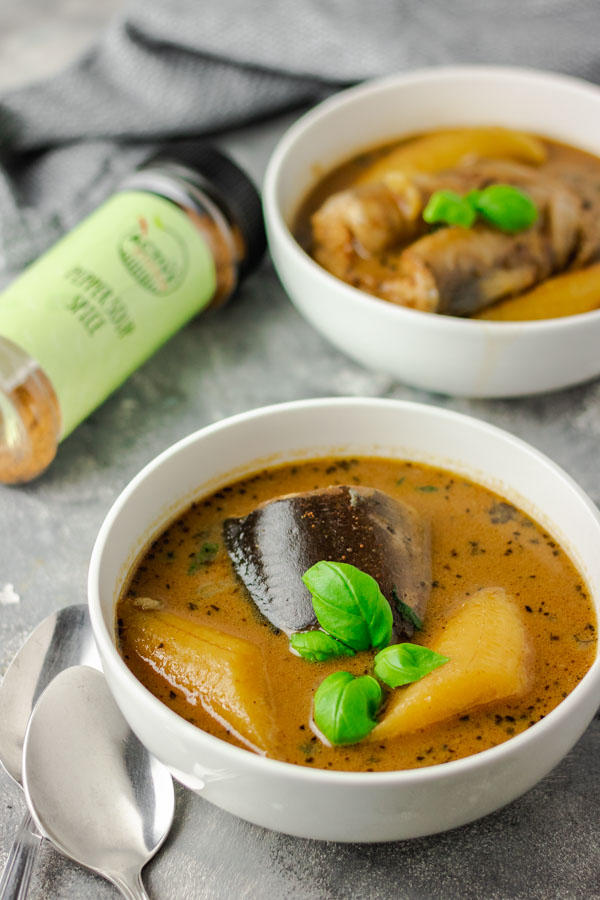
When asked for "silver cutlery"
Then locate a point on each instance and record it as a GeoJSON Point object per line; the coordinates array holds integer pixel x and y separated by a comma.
{"type": "Point", "coordinates": [93, 789]}
{"type": "Point", "coordinates": [63, 639]}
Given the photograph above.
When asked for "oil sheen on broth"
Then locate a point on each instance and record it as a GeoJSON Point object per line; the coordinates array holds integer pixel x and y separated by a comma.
{"type": "Point", "coordinates": [478, 541]}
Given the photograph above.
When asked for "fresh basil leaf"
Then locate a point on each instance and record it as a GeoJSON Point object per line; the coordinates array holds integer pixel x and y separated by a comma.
{"type": "Point", "coordinates": [317, 646]}
{"type": "Point", "coordinates": [450, 208]}
{"type": "Point", "coordinates": [405, 663]}
{"type": "Point", "coordinates": [349, 605]}
{"type": "Point", "coordinates": [472, 197]}
{"type": "Point", "coordinates": [406, 611]}
{"type": "Point", "coordinates": [506, 207]}
{"type": "Point", "coordinates": [205, 555]}
{"type": "Point", "coordinates": [345, 707]}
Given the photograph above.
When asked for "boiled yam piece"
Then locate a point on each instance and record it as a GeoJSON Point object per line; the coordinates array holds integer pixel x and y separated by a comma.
{"type": "Point", "coordinates": [446, 149]}
{"type": "Point", "coordinates": [568, 294]}
{"type": "Point", "coordinates": [274, 545]}
{"type": "Point", "coordinates": [486, 644]}
{"type": "Point", "coordinates": [223, 674]}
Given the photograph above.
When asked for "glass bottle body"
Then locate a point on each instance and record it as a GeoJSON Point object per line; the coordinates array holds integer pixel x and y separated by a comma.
{"type": "Point", "coordinates": [180, 256]}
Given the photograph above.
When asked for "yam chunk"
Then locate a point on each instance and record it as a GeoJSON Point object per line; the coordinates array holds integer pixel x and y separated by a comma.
{"type": "Point", "coordinates": [224, 674]}
{"type": "Point", "coordinates": [446, 149]}
{"type": "Point", "coordinates": [486, 643]}
{"type": "Point", "coordinates": [566, 295]}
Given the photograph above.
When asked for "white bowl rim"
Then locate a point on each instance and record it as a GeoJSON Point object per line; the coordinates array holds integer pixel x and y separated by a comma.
{"type": "Point", "coordinates": [277, 160]}
{"type": "Point", "coordinates": [252, 760]}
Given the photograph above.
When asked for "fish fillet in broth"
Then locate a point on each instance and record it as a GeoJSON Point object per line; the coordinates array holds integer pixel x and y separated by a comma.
{"type": "Point", "coordinates": [274, 545]}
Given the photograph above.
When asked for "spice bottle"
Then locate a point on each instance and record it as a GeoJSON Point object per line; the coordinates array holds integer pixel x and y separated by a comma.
{"type": "Point", "coordinates": [174, 240]}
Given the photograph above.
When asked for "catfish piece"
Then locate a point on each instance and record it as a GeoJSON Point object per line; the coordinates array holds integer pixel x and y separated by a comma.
{"type": "Point", "coordinates": [360, 235]}
{"type": "Point", "coordinates": [365, 221]}
{"type": "Point", "coordinates": [458, 271]}
{"type": "Point", "coordinates": [274, 545]}
{"type": "Point", "coordinates": [362, 222]}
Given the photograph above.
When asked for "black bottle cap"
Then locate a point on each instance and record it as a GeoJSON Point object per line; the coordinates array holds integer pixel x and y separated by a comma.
{"type": "Point", "coordinates": [217, 172]}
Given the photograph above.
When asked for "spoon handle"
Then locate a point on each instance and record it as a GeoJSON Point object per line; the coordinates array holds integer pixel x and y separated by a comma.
{"type": "Point", "coordinates": [14, 884]}
{"type": "Point", "coordinates": [131, 887]}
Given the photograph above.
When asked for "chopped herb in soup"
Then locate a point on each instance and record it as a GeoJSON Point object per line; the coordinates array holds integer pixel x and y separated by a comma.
{"type": "Point", "coordinates": [357, 614]}
{"type": "Point", "coordinates": [472, 222]}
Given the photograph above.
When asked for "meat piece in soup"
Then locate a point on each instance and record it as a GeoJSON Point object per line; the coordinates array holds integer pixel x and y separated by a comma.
{"type": "Point", "coordinates": [276, 543]}
{"type": "Point", "coordinates": [501, 630]}
{"type": "Point", "coordinates": [365, 224]}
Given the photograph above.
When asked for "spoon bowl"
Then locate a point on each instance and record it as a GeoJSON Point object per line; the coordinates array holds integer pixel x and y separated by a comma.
{"type": "Point", "coordinates": [63, 639]}
{"type": "Point", "coordinates": [92, 788]}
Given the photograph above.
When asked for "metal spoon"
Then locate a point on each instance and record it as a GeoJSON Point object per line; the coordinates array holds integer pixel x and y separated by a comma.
{"type": "Point", "coordinates": [63, 639]}
{"type": "Point", "coordinates": [93, 789]}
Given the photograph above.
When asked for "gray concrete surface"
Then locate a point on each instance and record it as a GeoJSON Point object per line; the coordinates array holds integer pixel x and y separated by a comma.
{"type": "Point", "coordinates": [545, 845]}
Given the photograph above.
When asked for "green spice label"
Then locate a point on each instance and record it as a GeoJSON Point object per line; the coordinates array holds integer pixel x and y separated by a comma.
{"type": "Point", "coordinates": [103, 299]}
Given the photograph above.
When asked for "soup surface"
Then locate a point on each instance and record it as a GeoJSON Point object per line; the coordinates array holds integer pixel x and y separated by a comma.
{"type": "Point", "coordinates": [365, 222]}
{"type": "Point", "coordinates": [477, 541]}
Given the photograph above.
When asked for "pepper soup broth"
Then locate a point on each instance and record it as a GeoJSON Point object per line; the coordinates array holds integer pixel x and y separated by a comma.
{"type": "Point", "coordinates": [478, 541]}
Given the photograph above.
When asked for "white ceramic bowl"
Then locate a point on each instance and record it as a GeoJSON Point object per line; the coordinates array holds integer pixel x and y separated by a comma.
{"type": "Point", "coordinates": [439, 353]}
{"type": "Point", "coordinates": [318, 803]}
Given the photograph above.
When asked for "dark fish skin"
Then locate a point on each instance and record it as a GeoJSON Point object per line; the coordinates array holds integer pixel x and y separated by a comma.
{"type": "Point", "coordinates": [276, 543]}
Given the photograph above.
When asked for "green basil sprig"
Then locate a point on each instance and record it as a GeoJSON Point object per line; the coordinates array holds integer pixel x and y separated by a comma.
{"type": "Point", "coordinates": [349, 605]}
{"type": "Point", "coordinates": [450, 208]}
{"type": "Point", "coordinates": [405, 663]}
{"type": "Point", "coordinates": [317, 646]}
{"type": "Point", "coordinates": [355, 615]}
{"type": "Point", "coordinates": [503, 206]}
{"type": "Point", "coordinates": [345, 707]}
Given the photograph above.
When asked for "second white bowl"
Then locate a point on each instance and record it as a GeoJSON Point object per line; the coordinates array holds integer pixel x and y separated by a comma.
{"type": "Point", "coordinates": [342, 806]}
{"type": "Point", "coordinates": [439, 353]}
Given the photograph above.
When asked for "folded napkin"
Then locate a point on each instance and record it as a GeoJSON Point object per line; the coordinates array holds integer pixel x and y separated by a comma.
{"type": "Point", "coordinates": [171, 68]}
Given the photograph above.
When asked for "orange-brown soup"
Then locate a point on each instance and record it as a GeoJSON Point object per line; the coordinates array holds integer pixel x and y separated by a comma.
{"type": "Point", "coordinates": [365, 223]}
{"type": "Point", "coordinates": [478, 541]}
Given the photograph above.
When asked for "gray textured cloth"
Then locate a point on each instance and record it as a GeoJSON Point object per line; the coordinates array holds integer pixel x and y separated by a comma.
{"type": "Point", "coordinates": [173, 68]}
